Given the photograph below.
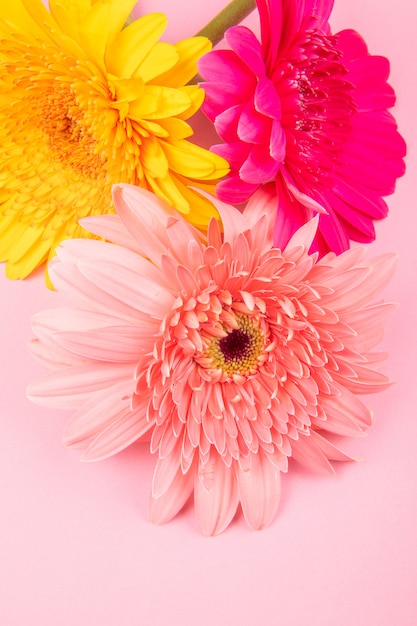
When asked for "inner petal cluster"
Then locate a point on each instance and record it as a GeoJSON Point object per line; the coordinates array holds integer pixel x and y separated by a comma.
{"type": "Point", "coordinates": [317, 106]}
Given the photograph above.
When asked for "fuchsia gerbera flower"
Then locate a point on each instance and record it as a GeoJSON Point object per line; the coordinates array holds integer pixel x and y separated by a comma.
{"type": "Point", "coordinates": [307, 110]}
{"type": "Point", "coordinates": [228, 354]}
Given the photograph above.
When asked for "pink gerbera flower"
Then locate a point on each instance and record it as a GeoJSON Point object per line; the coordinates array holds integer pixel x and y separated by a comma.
{"type": "Point", "coordinates": [228, 354]}
{"type": "Point", "coordinates": [307, 110]}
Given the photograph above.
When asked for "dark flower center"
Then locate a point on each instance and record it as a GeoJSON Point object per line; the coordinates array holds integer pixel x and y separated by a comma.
{"type": "Point", "coordinates": [238, 350]}
{"type": "Point", "coordinates": [235, 346]}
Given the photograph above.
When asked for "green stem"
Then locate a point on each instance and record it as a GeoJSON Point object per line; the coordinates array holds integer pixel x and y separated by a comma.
{"type": "Point", "coordinates": [231, 15]}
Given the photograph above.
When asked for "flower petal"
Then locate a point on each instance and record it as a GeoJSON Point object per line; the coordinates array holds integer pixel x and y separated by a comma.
{"type": "Point", "coordinates": [259, 491]}
{"type": "Point", "coordinates": [215, 495]}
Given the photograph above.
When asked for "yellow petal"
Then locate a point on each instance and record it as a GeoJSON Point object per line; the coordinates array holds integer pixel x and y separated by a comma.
{"type": "Point", "coordinates": [158, 103]}
{"type": "Point", "coordinates": [127, 89]}
{"type": "Point", "coordinates": [194, 162]}
{"type": "Point", "coordinates": [72, 14]}
{"type": "Point", "coordinates": [154, 159]}
{"type": "Point", "coordinates": [130, 46]}
{"type": "Point", "coordinates": [196, 95]}
{"type": "Point", "coordinates": [175, 128]}
{"type": "Point", "coordinates": [166, 189]}
{"type": "Point", "coordinates": [69, 14]}
{"type": "Point", "coordinates": [27, 15]}
{"type": "Point", "coordinates": [161, 58]}
{"type": "Point", "coordinates": [24, 247]}
{"type": "Point", "coordinates": [93, 32]}
{"type": "Point", "coordinates": [189, 52]}
{"type": "Point", "coordinates": [202, 209]}
{"type": "Point", "coordinates": [153, 128]}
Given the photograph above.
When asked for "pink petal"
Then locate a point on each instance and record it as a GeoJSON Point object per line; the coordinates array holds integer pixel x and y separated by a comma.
{"type": "Point", "coordinates": [128, 427]}
{"type": "Point", "coordinates": [308, 453]}
{"type": "Point", "coordinates": [263, 202]}
{"type": "Point", "coordinates": [71, 387]}
{"type": "Point", "coordinates": [215, 495]}
{"type": "Point", "coordinates": [304, 236]}
{"type": "Point", "coordinates": [112, 344]}
{"type": "Point", "coordinates": [165, 505]}
{"type": "Point", "coordinates": [96, 415]}
{"type": "Point", "coordinates": [332, 452]}
{"type": "Point", "coordinates": [110, 227]}
{"type": "Point", "coordinates": [145, 216]}
{"type": "Point", "coordinates": [147, 295]}
{"type": "Point", "coordinates": [259, 491]}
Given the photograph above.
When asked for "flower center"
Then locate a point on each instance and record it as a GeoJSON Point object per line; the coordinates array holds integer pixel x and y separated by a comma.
{"type": "Point", "coordinates": [240, 351]}
{"type": "Point", "coordinates": [62, 121]}
{"type": "Point", "coordinates": [317, 107]}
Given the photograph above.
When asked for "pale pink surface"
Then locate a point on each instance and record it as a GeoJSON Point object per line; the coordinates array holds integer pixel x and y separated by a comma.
{"type": "Point", "coordinates": [76, 545]}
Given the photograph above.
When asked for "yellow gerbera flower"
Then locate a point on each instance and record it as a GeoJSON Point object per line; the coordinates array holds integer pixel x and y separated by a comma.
{"type": "Point", "coordinates": [86, 102]}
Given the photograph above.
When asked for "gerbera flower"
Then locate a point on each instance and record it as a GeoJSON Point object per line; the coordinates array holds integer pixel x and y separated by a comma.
{"type": "Point", "coordinates": [307, 110]}
{"type": "Point", "coordinates": [86, 102]}
{"type": "Point", "coordinates": [229, 355]}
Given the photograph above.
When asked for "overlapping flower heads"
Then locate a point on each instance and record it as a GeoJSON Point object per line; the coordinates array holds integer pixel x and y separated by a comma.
{"type": "Point", "coordinates": [232, 355]}
{"type": "Point", "coordinates": [230, 339]}
{"type": "Point", "coordinates": [308, 110]}
{"type": "Point", "coordinates": [85, 103]}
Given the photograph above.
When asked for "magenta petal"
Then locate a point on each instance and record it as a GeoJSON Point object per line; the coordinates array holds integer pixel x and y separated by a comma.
{"type": "Point", "coordinates": [224, 66]}
{"type": "Point", "coordinates": [369, 75]}
{"type": "Point", "coordinates": [359, 226]}
{"type": "Point", "coordinates": [259, 167]}
{"type": "Point", "coordinates": [277, 145]}
{"type": "Point", "coordinates": [291, 214]}
{"type": "Point", "coordinates": [235, 190]}
{"type": "Point", "coordinates": [271, 18]}
{"type": "Point", "coordinates": [219, 97]}
{"type": "Point", "coordinates": [253, 126]}
{"type": "Point", "coordinates": [379, 130]}
{"type": "Point", "coordinates": [368, 203]}
{"type": "Point", "coordinates": [333, 232]}
{"type": "Point", "coordinates": [227, 121]}
{"type": "Point", "coordinates": [244, 43]}
{"type": "Point", "coordinates": [267, 100]}
{"type": "Point", "coordinates": [319, 10]}
{"type": "Point", "coordinates": [351, 44]}
{"type": "Point", "coordinates": [235, 153]}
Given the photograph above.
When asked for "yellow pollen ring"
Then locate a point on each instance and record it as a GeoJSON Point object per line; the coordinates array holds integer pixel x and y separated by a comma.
{"type": "Point", "coordinates": [240, 351]}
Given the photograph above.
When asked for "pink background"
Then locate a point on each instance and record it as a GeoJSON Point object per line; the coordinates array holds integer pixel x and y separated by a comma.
{"type": "Point", "coordinates": [76, 544]}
